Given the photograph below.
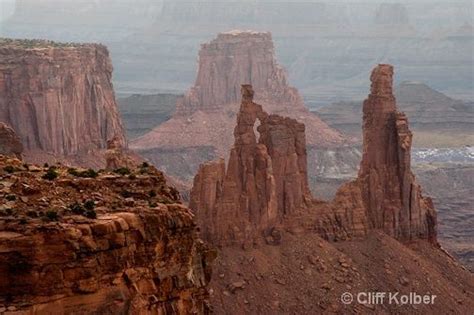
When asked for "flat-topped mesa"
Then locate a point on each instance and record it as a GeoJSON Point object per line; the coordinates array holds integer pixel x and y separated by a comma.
{"type": "Point", "coordinates": [386, 195]}
{"type": "Point", "coordinates": [265, 180]}
{"type": "Point", "coordinates": [58, 97]}
{"type": "Point", "coordinates": [238, 56]}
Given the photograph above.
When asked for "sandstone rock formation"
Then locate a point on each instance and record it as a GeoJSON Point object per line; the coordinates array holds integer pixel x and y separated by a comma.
{"type": "Point", "coordinates": [58, 97]}
{"type": "Point", "coordinates": [76, 242]}
{"type": "Point", "coordinates": [10, 144]}
{"type": "Point", "coordinates": [201, 128]}
{"type": "Point", "coordinates": [266, 178]}
{"type": "Point", "coordinates": [116, 156]}
{"type": "Point", "coordinates": [386, 195]}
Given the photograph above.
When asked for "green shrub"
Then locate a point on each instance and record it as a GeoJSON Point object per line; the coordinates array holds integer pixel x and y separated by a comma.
{"type": "Point", "coordinates": [122, 171]}
{"type": "Point", "coordinates": [145, 165]}
{"type": "Point", "coordinates": [73, 171]}
{"type": "Point", "coordinates": [52, 215]}
{"type": "Point", "coordinates": [51, 174]}
{"type": "Point", "coordinates": [152, 193]}
{"type": "Point", "coordinates": [126, 194]}
{"type": "Point", "coordinates": [132, 176]}
{"type": "Point", "coordinates": [91, 214]}
{"type": "Point", "coordinates": [76, 208]}
{"type": "Point", "coordinates": [10, 197]}
{"type": "Point", "coordinates": [10, 169]}
{"type": "Point", "coordinates": [89, 205]}
{"type": "Point", "coordinates": [90, 173]}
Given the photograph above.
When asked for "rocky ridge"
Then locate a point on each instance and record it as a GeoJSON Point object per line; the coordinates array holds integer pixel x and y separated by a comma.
{"type": "Point", "coordinates": [77, 241]}
{"type": "Point", "coordinates": [59, 99]}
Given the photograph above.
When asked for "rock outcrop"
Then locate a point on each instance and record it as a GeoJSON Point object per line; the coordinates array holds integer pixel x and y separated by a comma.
{"type": "Point", "coordinates": [201, 128]}
{"type": "Point", "coordinates": [58, 97]}
{"type": "Point", "coordinates": [10, 144]}
{"type": "Point", "coordinates": [76, 242]}
{"type": "Point", "coordinates": [266, 182]}
{"type": "Point", "coordinates": [386, 195]}
{"type": "Point", "coordinates": [266, 178]}
{"type": "Point", "coordinates": [117, 156]}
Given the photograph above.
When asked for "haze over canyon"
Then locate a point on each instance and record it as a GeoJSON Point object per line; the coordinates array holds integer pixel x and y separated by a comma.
{"type": "Point", "coordinates": [236, 157]}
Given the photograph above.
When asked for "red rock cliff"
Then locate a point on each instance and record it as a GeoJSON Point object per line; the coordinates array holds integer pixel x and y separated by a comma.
{"type": "Point", "coordinates": [58, 97]}
{"type": "Point", "coordinates": [386, 195]}
{"type": "Point", "coordinates": [201, 129]}
{"type": "Point", "coordinates": [76, 242]}
{"type": "Point", "coordinates": [266, 178]}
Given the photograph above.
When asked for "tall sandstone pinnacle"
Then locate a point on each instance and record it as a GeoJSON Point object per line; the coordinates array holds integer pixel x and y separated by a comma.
{"type": "Point", "coordinates": [386, 195]}
{"type": "Point", "coordinates": [201, 128]}
{"type": "Point", "coordinates": [58, 98]}
{"type": "Point", "coordinates": [266, 178]}
{"type": "Point", "coordinates": [266, 186]}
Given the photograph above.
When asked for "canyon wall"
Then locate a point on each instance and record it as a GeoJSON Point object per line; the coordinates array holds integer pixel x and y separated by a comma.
{"type": "Point", "coordinates": [77, 242]}
{"type": "Point", "coordinates": [265, 180]}
{"type": "Point", "coordinates": [59, 98]}
{"type": "Point", "coordinates": [201, 128]}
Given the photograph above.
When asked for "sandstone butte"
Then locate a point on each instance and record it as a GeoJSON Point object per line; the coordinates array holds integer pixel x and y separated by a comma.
{"type": "Point", "coordinates": [59, 100]}
{"type": "Point", "coordinates": [201, 128]}
{"type": "Point", "coordinates": [73, 241]}
{"type": "Point", "coordinates": [377, 235]}
{"type": "Point", "coordinates": [266, 178]}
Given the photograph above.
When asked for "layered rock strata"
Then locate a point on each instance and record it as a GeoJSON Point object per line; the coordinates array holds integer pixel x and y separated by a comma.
{"type": "Point", "coordinates": [386, 195]}
{"type": "Point", "coordinates": [58, 97]}
{"type": "Point", "coordinates": [76, 242]}
{"type": "Point", "coordinates": [265, 180]}
{"type": "Point", "coordinates": [10, 143]}
{"type": "Point", "coordinates": [201, 128]}
{"type": "Point", "coordinates": [265, 184]}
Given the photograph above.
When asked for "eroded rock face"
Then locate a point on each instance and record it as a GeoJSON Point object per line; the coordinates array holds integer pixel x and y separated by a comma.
{"type": "Point", "coordinates": [205, 116]}
{"type": "Point", "coordinates": [58, 97]}
{"type": "Point", "coordinates": [10, 144]}
{"type": "Point", "coordinates": [104, 244]}
{"type": "Point", "coordinates": [266, 178]}
{"type": "Point", "coordinates": [386, 195]}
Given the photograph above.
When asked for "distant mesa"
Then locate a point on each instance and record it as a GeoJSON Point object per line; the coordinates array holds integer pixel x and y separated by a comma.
{"type": "Point", "coordinates": [201, 128]}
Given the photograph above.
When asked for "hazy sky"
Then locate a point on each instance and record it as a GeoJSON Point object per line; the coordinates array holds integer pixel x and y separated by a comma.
{"type": "Point", "coordinates": [6, 8]}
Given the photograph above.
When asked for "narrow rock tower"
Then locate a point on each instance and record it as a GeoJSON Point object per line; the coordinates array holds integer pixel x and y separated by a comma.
{"type": "Point", "coordinates": [386, 195]}
{"type": "Point", "coordinates": [266, 178]}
